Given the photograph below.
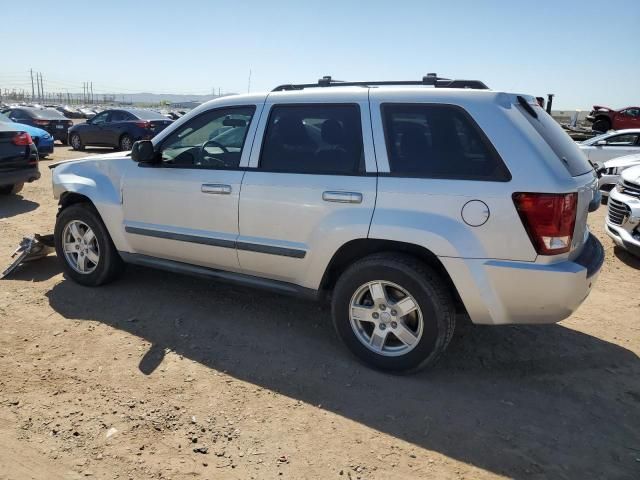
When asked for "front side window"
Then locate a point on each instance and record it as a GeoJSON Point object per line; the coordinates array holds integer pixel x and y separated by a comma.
{"type": "Point", "coordinates": [100, 118]}
{"type": "Point", "coordinates": [314, 139]}
{"type": "Point", "coordinates": [626, 140]}
{"type": "Point", "coordinates": [213, 139]}
{"type": "Point", "coordinates": [438, 141]}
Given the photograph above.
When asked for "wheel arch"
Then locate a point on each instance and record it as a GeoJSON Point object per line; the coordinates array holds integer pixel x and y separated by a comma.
{"type": "Point", "coordinates": [357, 249]}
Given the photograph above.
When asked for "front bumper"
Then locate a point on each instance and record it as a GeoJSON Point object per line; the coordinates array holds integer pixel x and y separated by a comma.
{"type": "Point", "coordinates": [21, 175]}
{"type": "Point", "coordinates": [500, 292]}
{"type": "Point", "coordinates": [627, 233]}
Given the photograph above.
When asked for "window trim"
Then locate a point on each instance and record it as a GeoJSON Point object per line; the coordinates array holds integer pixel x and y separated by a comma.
{"type": "Point", "coordinates": [472, 123]}
{"type": "Point", "coordinates": [160, 146]}
{"type": "Point", "coordinates": [259, 168]}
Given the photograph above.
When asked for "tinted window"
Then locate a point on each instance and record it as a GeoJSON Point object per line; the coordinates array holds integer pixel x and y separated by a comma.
{"type": "Point", "coordinates": [119, 116]}
{"type": "Point", "coordinates": [558, 140]}
{"type": "Point", "coordinates": [212, 140]}
{"type": "Point", "coordinates": [438, 141]}
{"type": "Point", "coordinates": [625, 140]}
{"type": "Point", "coordinates": [18, 114]}
{"type": "Point", "coordinates": [47, 114]}
{"type": "Point", "coordinates": [100, 118]}
{"type": "Point", "coordinates": [321, 139]}
{"type": "Point", "coordinates": [147, 115]}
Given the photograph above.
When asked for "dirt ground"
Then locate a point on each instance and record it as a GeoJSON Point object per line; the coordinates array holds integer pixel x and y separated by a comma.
{"type": "Point", "coordinates": [164, 376]}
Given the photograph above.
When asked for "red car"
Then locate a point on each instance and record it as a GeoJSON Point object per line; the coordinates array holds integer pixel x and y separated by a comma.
{"type": "Point", "coordinates": [605, 118]}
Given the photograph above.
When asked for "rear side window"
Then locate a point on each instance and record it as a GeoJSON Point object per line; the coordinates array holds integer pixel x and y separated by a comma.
{"type": "Point", "coordinates": [439, 141]}
{"type": "Point", "coordinates": [318, 139]}
{"type": "Point", "coordinates": [562, 145]}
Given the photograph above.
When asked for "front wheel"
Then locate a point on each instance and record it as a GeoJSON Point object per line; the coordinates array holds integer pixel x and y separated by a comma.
{"type": "Point", "coordinates": [76, 142]}
{"type": "Point", "coordinates": [84, 246]}
{"type": "Point", "coordinates": [393, 312]}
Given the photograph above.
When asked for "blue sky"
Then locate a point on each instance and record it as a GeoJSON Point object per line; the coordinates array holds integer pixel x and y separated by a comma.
{"type": "Point", "coordinates": [584, 51]}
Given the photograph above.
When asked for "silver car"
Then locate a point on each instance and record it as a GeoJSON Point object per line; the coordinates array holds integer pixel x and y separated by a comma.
{"type": "Point", "coordinates": [402, 205]}
{"type": "Point", "coordinates": [623, 219]}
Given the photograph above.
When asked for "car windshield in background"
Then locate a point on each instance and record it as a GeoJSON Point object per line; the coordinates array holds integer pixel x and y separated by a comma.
{"type": "Point", "coordinates": [147, 115]}
{"type": "Point", "coordinates": [46, 114]}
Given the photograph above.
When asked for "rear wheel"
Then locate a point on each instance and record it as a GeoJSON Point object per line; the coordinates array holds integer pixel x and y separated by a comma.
{"type": "Point", "coordinates": [125, 143]}
{"type": "Point", "coordinates": [84, 246]}
{"type": "Point", "coordinates": [601, 125]}
{"type": "Point", "coordinates": [393, 312]}
{"type": "Point", "coordinates": [76, 142]}
{"type": "Point", "coordinates": [11, 189]}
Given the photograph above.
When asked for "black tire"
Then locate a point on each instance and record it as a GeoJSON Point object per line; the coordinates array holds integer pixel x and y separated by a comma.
{"type": "Point", "coordinates": [125, 143]}
{"type": "Point", "coordinates": [76, 141]}
{"type": "Point", "coordinates": [11, 189]}
{"type": "Point", "coordinates": [601, 125]}
{"type": "Point", "coordinates": [427, 288]}
{"type": "Point", "coordinates": [64, 141]}
{"type": "Point", "coordinates": [109, 266]}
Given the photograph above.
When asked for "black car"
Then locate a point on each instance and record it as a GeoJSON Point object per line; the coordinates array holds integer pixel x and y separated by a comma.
{"type": "Point", "coordinates": [117, 128]}
{"type": "Point", "coordinates": [47, 119]}
{"type": "Point", "coordinates": [18, 159]}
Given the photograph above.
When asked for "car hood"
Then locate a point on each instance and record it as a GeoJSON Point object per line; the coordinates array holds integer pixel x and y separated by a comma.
{"type": "Point", "coordinates": [625, 161]}
{"type": "Point", "coordinates": [93, 158]}
{"type": "Point", "coordinates": [631, 175]}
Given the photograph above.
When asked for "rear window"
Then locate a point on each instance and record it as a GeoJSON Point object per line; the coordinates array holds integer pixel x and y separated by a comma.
{"type": "Point", "coordinates": [439, 141]}
{"type": "Point", "coordinates": [562, 145]}
{"type": "Point", "coordinates": [147, 115]}
{"type": "Point", "coordinates": [48, 114]}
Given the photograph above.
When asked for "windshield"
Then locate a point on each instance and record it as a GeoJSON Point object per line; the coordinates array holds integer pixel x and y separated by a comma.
{"type": "Point", "coordinates": [47, 114]}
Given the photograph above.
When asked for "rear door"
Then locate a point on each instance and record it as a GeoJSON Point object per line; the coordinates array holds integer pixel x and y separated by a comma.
{"type": "Point", "coordinates": [312, 187]}
{"type": "Point", "coordinates": [186, 208]}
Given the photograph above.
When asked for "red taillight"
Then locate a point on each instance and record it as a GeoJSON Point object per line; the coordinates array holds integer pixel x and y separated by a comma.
{"type": "Point", "coordinates": [549, 219]}
{"type": "Point", "coordinates": [144, 124]}
{"type": "Point", "coordinates": [42, 123]}
{"type": "Point", "coordinates": [22, 138]}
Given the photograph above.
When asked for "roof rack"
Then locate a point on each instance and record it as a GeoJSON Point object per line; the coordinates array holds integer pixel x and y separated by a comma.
{"type": "Point", "coordinates": [431, 79]}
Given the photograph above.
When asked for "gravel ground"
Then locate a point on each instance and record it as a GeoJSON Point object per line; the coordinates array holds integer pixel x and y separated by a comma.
{"type": "Point", "coordinates": [164, 376]}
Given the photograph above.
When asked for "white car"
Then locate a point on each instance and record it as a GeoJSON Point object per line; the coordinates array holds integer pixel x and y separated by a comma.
{"type": "Point", "coordinates": [623, 219]}
{"type": "Point", "coordinates": [611, 145]}
{"type": "Point", "coordinates": [609, 174]}
{"type": "Point", "coordinates": [401, 204]}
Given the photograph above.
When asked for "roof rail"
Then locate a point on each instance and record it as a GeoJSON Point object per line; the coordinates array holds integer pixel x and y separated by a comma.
{"type": "Point", "coordinates": [431, 79]}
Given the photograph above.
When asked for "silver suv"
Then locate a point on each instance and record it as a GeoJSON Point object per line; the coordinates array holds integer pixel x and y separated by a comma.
{"type": "Point", "coordinates": [403, 203]}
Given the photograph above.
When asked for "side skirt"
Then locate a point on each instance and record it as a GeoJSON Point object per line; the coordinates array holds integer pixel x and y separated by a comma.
{"type": "Point", "coordinates": [221, 275]}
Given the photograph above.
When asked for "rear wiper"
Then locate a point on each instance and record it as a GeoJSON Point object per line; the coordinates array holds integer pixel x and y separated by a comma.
{"type": "Point", "coordinates": [524, 104]}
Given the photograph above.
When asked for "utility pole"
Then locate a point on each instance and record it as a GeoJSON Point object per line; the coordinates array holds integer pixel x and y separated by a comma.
{"type": "Point", "coordinates": [32, 90]}
{"type": "Point", "coordinates": [249, 83]}
{"type": "Point", "coordinates": [42, 88]}
{"type": "Point", "coordinates": [92, 98]}
{"type": "Point", "coordinates": [38, 84]}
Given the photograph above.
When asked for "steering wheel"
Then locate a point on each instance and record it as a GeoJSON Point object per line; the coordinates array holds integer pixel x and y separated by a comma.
{"type": "Point", "coordinates": [203, 151]}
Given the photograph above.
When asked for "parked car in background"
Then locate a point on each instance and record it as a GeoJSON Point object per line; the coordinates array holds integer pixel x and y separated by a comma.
{"type": "Point", "coordinates": [87, 112]}
{"type": "Point", "coordinates": [69, 111]}
{"type": "Point", "coordinates": [623, 219]}
{"type": "Point", "coordinates": [47, 119]}
{"type": "Point", "coordinates": [609, 174]}
{"type": "Point", "coordinates": [611, 145]}
{"type": "Point", "coordinates": [605, 118]}
{"type": "Point", "coordinates": [18, 158]}
{"type": "Point", "coordinates": [41, 138]}
{"type": "Point", "coordinates": [117, 128]}
{"type": "Point", "coordinates": [402, 206]}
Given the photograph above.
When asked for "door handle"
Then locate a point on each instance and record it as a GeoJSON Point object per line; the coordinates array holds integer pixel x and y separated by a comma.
{"type": "Point", "coordinates": [215, 188]}
{"type": "Point", "coordinates": [342, 197]}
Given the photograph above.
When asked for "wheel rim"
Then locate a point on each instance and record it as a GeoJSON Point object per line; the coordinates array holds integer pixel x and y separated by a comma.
{"type": "Point", "coordinates": [386, 318]}
{"type": "Point", "coordinates": [81, 249]}
{"type": "Point", "coordinates": [125, 143]}
{"type": "Point", "coordinates": [75, 141]}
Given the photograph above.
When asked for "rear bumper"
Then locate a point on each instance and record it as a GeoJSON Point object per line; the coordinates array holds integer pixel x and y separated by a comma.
{"type": "Point", "coordinates": [500, 292]}
{"type": "Point", "coordinates": [12, 177]}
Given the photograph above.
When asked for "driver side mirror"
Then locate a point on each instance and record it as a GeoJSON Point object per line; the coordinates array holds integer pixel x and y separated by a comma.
{"type": "Point", "coordinates": [143, 152]}
{"type": "Point", "coordinates": [601, 143]}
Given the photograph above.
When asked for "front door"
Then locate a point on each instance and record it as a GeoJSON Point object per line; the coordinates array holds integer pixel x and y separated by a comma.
{"type": "Point", "coordinates": [310, 192]}
{"type": "Point", "coordinates": [186, 207]}
{"type": "Point", "coordinates": [92, 133]}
